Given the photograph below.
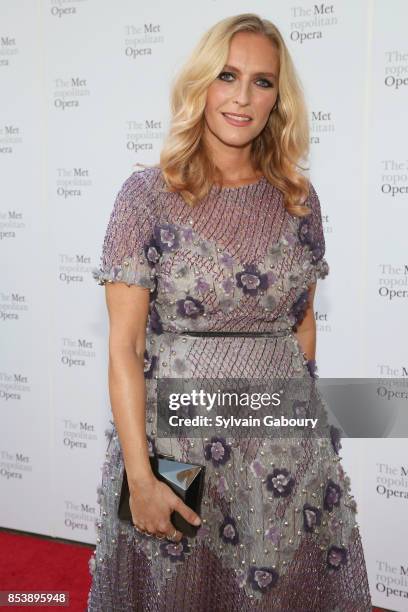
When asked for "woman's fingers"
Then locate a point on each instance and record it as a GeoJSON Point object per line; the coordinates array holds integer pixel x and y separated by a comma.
{"type": "Point", "coordinates": [157, 523]}
{"type": "Point", "coordinates": [186, 512]}
{"type": "Point", "coordinates": [171, 533]}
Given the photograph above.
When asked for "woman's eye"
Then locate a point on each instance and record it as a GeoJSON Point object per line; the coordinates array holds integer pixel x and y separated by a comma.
{"type": "Point", "coordinates": [268, 83]}
{"type": "Point", "coordinates": [222, 76]}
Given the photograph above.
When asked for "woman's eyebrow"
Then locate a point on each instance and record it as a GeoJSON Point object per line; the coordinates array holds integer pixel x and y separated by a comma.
{"type": "Point", "coordinates": [229, 67]}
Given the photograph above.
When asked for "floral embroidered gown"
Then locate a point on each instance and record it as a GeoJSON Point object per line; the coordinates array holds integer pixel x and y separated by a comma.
{"type": "Point", "coordinates": [279, 527]}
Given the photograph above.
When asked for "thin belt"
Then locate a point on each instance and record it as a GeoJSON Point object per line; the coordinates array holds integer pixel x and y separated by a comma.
{"type": "Point", "coordinates": [283, 332]}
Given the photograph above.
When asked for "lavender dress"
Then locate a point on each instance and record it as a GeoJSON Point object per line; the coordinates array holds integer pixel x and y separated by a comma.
{"type": "Point", "coordinates": [279, 527]}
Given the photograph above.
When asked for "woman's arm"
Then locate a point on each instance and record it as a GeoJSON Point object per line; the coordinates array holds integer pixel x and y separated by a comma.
{"type": "Point", "coordinates": [128, 309]}
{"type": "Point", "coordinates": [151, 501]}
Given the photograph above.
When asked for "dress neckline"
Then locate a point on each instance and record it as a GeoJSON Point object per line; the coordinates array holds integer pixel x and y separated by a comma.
{"type": "Point", "coordinates": [245, 186]}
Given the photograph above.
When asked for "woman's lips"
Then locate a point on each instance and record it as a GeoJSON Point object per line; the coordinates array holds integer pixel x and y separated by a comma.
{"type": "Point", "coordinates": [237, 121]}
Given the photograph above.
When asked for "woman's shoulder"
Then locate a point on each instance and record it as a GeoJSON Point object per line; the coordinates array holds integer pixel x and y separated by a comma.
{"type": "Point", "coordinates": [138, 189]}
{"type": "Point", "coordinates": [143, 179]}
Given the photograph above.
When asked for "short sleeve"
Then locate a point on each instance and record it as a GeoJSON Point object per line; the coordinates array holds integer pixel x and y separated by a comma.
{"type": "Point", "coordinates": [311, 233]}
{"type": "Point", "coordinates": [128, 253]}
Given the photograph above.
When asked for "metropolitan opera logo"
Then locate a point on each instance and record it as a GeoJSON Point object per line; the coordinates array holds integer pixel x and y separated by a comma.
{"type": "Point", "coordinates": [78, 435]}
{"type": "Point", "coordinates": [144, 136]}
{"type": "Point", "coordinates": [141, 40]}
{"type": "Point", "coordinates": [396, 69]}
{"type": "Point", "coordinates": [393, 281]}
{"type": "Point", "coordinates": [79, 516]}
{"type": "Point", "coordinates": [65, 8]}
{"type": "Point", "coordinates": [394, 178]}
{"type": "Point", "coordinates": [72, 183]}
{"type": "Point", "coordinates": [10, 137]}
{"type": "Point", "coordinates": [14, 465]}
{"type": "Point", "coordinates": [311, 23]}
{"type": "Point", "coordinates": [69, 92]}
{"type": "Point", "coordinates": [8, 50]}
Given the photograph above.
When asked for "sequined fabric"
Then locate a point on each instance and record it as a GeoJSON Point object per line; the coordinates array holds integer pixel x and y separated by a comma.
{"type": "Point", "coordinates": [279, 528]}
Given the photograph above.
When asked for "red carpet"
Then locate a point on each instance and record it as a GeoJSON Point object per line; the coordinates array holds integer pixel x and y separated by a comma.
{"type": "Point", "coordinates": [29, 563]}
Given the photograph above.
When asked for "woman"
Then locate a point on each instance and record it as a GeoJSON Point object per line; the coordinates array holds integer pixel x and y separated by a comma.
{"type": "Point", "coordinates": [210, 263]}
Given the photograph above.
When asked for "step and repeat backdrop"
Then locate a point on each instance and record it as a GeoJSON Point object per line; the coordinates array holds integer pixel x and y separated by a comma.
{"type": "Point", "coordinates": [84, 97]}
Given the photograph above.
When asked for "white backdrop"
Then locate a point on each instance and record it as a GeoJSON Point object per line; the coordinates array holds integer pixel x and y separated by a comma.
{"type": "Point", "coordinates": [84, 96]}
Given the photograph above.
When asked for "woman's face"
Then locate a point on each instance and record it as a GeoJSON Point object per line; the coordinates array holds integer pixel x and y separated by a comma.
{"type": "Point", "coordinates": [247, 86]}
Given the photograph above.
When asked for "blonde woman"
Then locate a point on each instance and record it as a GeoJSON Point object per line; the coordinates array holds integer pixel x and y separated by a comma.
{"type": "Point", "coordinates": [210, 263]}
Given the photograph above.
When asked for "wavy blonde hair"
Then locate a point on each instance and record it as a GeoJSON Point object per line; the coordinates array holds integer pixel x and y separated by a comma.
{"type": "Point", "coordinates": [276, 151]}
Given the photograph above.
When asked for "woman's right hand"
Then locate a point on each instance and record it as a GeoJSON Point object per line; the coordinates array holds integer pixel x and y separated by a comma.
{"type": "Point", "coordinates": [151, 503]}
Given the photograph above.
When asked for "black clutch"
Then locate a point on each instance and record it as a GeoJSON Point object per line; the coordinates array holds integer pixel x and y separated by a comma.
{"type": "Point", "coordinates": [185, 479]}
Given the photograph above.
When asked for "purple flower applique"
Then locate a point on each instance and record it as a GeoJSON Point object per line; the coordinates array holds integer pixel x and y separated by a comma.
{"type": "Point", "coordinates": [262, 578]}
{"type": "Point", "coordinates": [273, 534]}
{"type": "Point", "coordinates": [222, 486]}
{"type": "Point", "coordinates": [336, 557]}
{"type": "Point", "coordinates": [189, 307]}
{"type": "Point", "coordinates": [291, 238]}
{"type": "Point", "coordinates": [299, 409]}
{"type": "Point", "coordinates": [167, 285]}
{"type": "Point", "coordinates": [149, 364]}
{"type": "Point", "coordinates": [203, 531]}
{"type": "Point", "coordinates": [332, 496]}
{"type": "Point", "coordinates": [240, 577]}
{"type": "Point", "coordinates": [166, 237]}
{"type": "Point", "coordinates": [228, 285]}
{"type": "Point", "coordinates": [271, 278]}
{"type": "Point", "coordinates": [312, 517]}
{"type": "Point", "coordinates": [151, 445]}
{"type": "Point", "coordinates": [317, 252]}
{"type": "Point", "coordinates": [306, 237]}
{"type": "Point", "coordinates": [250, 280]}
{"type": "Point", "coordinates": [155, 323]}
{"type": "Point", "coordinates": [335, 437]}
{"type": "Point", "coordinates": [152, 252]}
{"type": "Point", "coordinates": [187, 233]}
{"type": "Point", "coordinates": [175, 551]}
{"type": "Point", "coordinates": [217, 451]}
{"type": "Point", "coordinates": [201, 285]}
{"type": "Point", "coordinates": [280, 482]}
{"type": "Point", "coordinates": [226, 260]}
{"type": "Point", "coordinates": [228, 531]}
{"type": "Point", "coordinates": [257, 468]}
{"type": "Point", "coordinates": [299, 308]}
{"type": "Point", "coordinates": [304, 231]}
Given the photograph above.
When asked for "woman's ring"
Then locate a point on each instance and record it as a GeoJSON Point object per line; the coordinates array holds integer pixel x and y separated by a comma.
{"type": "Point", "coordinates": [171, 538]}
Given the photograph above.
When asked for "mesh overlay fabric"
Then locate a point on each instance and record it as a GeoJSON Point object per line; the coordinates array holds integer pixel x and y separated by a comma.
{"type": "Point", "coordinates": [279, 528]}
